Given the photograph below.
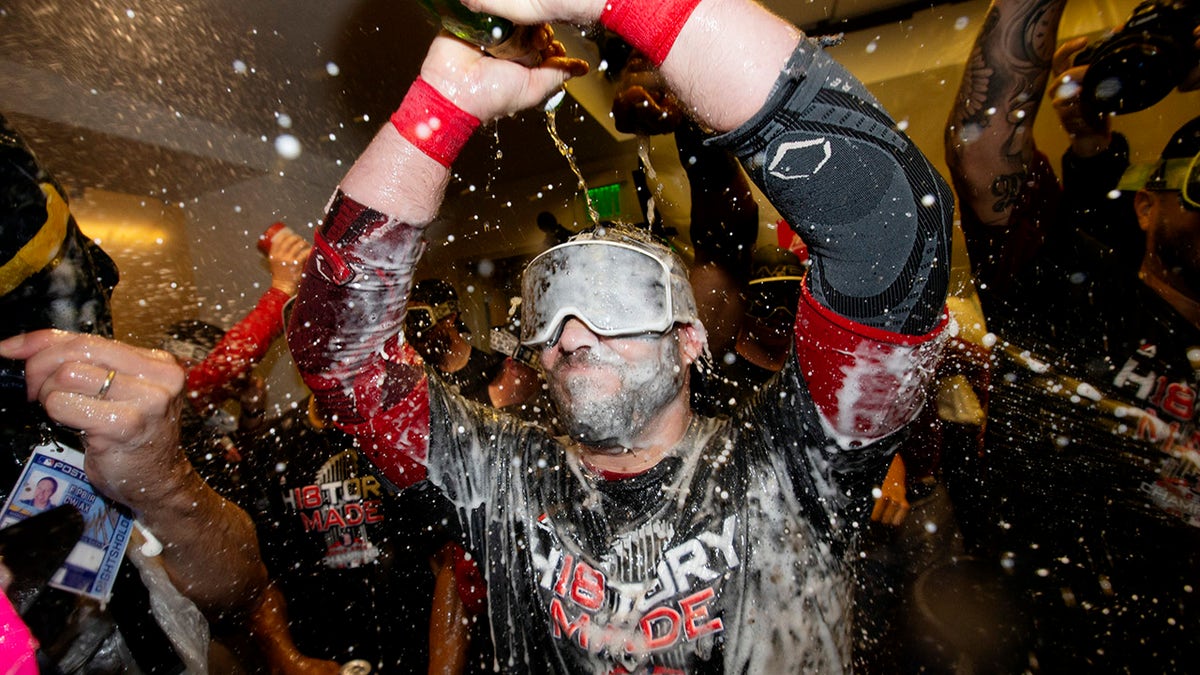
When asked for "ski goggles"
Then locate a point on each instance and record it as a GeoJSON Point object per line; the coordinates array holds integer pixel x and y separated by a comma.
{"type": "Point", "coordinates": [419, 317]}
{"type": "Point", "coordinates": [614, 288]}
{"type": "Point", "coordinates": [773, 296]}
{"type": "Point", "coordinates": [1182, 174]}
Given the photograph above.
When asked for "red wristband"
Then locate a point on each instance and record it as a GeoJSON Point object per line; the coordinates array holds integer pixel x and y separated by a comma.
{"type": "Point", "coordinates": [650, 27]}
{"type": "Point", "coordinates": [433, 123]}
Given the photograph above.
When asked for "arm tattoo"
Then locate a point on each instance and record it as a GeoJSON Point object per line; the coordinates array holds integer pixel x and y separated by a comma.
{"type": "Point", "coordinates": [1008, 69]}
{"type": "Point", "coordinates": [1007, 190]}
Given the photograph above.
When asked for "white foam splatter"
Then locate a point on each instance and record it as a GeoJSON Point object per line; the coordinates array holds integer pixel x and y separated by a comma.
{"type": "Point", "coordinates": [288, 146]}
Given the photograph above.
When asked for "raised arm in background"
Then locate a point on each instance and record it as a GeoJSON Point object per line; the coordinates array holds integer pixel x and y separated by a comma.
{"type": "Point", "coordinates": [989, 136]}
{"type": "Point", "coordinates": [216, 378]}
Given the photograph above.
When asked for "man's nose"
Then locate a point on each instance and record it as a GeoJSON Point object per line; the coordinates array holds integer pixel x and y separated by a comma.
{"type": "Point", "coordinates": [576, 335]}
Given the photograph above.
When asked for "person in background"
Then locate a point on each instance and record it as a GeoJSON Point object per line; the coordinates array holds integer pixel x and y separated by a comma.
{"type": "Point", "coordinates": [435, 329]}
{"type": "Point", "coordinates": [63, 379]}
{"type": "Point", "coordinates": [219, 367]}
{"type": "Point", "coordinates": [520, 388]}
{"type": "Point", "coordinates": [218, 373]}
{"type": "Point", "coordinates": [553, 232]}
{"type": "Point", "coordinates": [1093, 388]}
{"type": "Point", "coordinates": [764, 334]}
{"type": "Point", "coordinates": [350, 573]}
{"type": "Point", "coordinates": [651, 537]}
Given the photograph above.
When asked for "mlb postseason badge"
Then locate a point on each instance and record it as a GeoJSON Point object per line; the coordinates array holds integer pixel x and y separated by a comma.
{"type": "Point", "coordinates": [53, 476]}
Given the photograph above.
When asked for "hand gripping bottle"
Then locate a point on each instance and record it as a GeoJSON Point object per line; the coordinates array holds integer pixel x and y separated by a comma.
{"type": "Point", "coordinates": [493, 34]}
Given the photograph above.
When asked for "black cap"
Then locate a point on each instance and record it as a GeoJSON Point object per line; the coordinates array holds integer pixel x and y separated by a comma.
{"type": "Point", "coordinates": [191, 339]}
{"type": "Point", "coordinates": [436, 293]}
{"type": "Point", "coordinates": [51, 275]}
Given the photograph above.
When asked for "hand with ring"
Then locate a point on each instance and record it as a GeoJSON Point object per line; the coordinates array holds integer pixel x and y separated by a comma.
{"type": "Point", "coordinates": [108, 380]}
{"type": "Point", "coordinates": [125, 399]}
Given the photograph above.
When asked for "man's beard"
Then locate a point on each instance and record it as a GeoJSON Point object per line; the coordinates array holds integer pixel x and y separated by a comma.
{"type": "Point", "coordinates": [1179, 257]}
{"type": "Point", "coordinates": [604, 419]}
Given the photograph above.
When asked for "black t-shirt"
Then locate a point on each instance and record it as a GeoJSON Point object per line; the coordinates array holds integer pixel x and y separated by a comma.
{"type": "Point", "coordinates": [351, 562]}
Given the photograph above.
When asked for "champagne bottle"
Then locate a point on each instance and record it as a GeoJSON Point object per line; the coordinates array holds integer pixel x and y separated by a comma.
{"type": "Point", "coordinates": [495, 35]}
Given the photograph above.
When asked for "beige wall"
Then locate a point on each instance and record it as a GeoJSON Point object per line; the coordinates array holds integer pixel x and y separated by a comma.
{"type": "Point", "coordinates": [148, 241]}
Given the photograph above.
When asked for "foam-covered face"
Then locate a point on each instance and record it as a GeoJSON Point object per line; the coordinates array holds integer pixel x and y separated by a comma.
{"type": "Point", "coordinates": [609, 390]}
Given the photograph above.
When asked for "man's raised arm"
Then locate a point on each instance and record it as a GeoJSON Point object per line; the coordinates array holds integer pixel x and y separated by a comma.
{"type": "Point", "coordinates": [345, 330]}
{"type": "Point", "coordinates": [874, 212]}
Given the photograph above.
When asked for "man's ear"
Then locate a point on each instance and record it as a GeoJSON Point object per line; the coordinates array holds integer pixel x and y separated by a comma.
{"type": "Point", "coordinates": [693, 340]}
{"type": "Point", "coordinates": [1145, 206]}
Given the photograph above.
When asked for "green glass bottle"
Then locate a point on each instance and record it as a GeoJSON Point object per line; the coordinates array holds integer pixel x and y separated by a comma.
{"type": "Point", "coordinates": [495, 35]}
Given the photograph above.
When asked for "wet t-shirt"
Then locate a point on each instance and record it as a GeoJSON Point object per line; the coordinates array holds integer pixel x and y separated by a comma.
{"type": "Point", "coordinates": [352, 566]}
{"type": "Point", "coordinates": [728, 556]}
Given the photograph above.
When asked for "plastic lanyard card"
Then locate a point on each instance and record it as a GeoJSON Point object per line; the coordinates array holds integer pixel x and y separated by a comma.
{"type": "Point", "coordinates": [54, 475]}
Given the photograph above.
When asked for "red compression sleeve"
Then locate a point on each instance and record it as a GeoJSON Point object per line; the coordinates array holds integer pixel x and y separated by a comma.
{"type": "Point", "coordinates": [867, 382]}
{"type": "Point", "coordinates": [433, 123]}
{"type": "Point", "coordinates": [344, 336]}
{"type": "Point", "coordinates": [650, 27]}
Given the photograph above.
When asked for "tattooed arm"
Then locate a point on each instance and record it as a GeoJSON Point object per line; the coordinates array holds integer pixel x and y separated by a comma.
{"type": "Point", "coordinates": [1006, 187]}
{"type": "Point", "coordinates": [989, 143]}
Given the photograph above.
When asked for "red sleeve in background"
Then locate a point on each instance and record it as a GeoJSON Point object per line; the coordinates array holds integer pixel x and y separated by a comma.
{"type": "Point", "coordinates": [238, 352]}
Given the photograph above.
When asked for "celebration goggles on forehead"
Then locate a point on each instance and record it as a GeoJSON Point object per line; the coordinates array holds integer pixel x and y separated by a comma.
{"type": "Point", "coordinates": [614, 288]}
{"type": "Point", "coordinates": [420, 317]}
{"type": "Point", "coordinates": [1182, 174]}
